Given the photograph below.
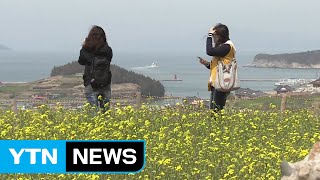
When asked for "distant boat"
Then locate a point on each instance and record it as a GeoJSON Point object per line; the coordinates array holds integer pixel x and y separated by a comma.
{"type": "Point", "coordinates": [153, 65]}
{"type": "Point", "coordinates": [174, 79]}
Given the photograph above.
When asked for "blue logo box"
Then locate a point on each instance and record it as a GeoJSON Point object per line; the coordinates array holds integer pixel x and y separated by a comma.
{"type": "Point", "coordinates": [72, 156]}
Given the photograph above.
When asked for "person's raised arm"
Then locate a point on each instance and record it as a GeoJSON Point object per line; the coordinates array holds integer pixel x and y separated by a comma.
{"type": "Point", "coordinates": [219, 51]}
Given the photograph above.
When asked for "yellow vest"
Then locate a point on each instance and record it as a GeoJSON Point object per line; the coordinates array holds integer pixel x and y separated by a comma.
{"type": "Point", "coordinates": [214, 63]}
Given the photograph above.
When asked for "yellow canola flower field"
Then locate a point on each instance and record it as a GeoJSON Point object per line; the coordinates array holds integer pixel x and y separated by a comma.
{"type": "Point", "coordinates": [182, 143]}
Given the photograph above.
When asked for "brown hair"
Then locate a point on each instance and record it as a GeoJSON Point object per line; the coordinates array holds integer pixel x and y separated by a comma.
{"type": "Point", "coordinates": [223, 33]}
{"type": "Point", "coordinates": [96, 39]}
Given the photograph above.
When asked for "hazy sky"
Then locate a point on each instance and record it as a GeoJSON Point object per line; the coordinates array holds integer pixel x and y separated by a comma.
{"type": "Point", "coordinates": [268, 26]}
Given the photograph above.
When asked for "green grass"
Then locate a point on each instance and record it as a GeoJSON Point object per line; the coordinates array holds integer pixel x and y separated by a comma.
{"type": "Point", "coordinates": [264, 103]}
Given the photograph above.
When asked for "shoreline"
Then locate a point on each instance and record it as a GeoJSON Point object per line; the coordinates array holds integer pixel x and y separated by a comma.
{"type": "Point", "coordinates": [255, 66]}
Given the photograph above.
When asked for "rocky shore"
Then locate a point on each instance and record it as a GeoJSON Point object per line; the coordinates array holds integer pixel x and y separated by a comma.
{"type": "Point", "coordinates": [265, 63]}
{"type": "Point", "coordinates": [59, 87]}
{"type": "Point", "coordinates": [309, 59]}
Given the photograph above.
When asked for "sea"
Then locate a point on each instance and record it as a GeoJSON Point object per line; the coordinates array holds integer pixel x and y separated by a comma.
{"type": "Point", "coordinates": [31, 66]}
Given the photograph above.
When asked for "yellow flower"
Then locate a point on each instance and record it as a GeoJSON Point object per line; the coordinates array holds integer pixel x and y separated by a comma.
{"type": "Point", "coordinates": [179, 168]}
{"type": "Point", "coordinates": [147, 123]}
{"type": "Point", "coordinates": [304, 153]}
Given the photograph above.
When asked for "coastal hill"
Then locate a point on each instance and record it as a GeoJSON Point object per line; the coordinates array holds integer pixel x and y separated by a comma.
{"type": "Point", "coordinates": [309, 59]}
{"type": "Point", "coordinates": [120, 75]}
{"type": "Point", "coordinates": [66, 83]}
{"type": "Point", "coordinates": [58, 87]}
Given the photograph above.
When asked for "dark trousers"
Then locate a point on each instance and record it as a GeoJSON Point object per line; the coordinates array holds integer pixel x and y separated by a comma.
{"type": "Point", "coordinates": [217, 99]}
{"type": "Point", "coordinates": [93, 94]}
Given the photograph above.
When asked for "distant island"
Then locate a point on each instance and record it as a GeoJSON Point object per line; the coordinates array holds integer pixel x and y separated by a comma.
{"type": "Point", "coordinates": [3, 47]}
{"type": "Point", "coordinates": [66, 83]}
{"type": "Point", "coordinates": [309, 59]}
{"type": "Point", "coordinates": [148, 86]}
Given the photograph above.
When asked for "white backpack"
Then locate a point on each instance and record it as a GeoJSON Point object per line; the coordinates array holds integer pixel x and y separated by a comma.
{"type": "Point", "coordinates": [227, 77]}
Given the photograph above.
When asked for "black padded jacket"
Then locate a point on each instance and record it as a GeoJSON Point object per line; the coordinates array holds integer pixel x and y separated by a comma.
{"type": "Point", "coordinates": [86, 58]}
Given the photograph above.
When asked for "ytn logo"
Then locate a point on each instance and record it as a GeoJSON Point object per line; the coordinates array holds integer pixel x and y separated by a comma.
{"type": "Point", "coordinates": [33, 155]}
